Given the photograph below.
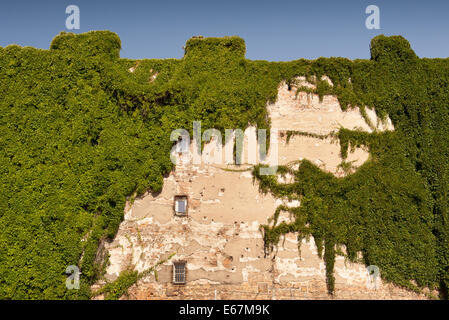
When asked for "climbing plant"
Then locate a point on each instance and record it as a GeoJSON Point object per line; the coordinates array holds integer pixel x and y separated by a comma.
{"type": "Point", "coordinates": [83, 130]}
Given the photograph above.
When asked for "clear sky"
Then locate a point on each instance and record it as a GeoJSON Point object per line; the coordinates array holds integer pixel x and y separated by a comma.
{"type": "Point", "coordinates": [279, 30]}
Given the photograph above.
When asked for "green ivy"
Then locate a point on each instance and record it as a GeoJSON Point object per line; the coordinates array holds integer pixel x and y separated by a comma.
{"type": "Point", "coordinates": [393, 210]}
{"type": "Point", "coordinates": [119, 287]}
{"type": "Point", "coordinates": [80, 135]}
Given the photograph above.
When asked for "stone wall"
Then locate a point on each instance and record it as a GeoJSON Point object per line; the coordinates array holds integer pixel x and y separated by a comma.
{"type": "Point", "coordinates": [220, 239]}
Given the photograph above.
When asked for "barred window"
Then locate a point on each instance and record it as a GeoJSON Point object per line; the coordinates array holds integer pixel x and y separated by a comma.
{"type": "Point", "coordinates": [179, 272]}
{"type": "Point", "coordinates": [181, 205]}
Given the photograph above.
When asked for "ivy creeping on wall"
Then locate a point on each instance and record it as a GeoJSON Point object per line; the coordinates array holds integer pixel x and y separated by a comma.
{"type": "Point", "coordinates": [393, 210]}
{"type": "Point", "coordinates": [83, 130]}
{"type": "Point", "coordinates": [80, 134]}
{"type": "Point", "coordinates": [119, 287]}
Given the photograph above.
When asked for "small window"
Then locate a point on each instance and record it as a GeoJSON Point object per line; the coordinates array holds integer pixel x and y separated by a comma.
{"type": "Point", "coordinates": [181, 205]}
{"type": "Point", "coordinates": [179, 272]}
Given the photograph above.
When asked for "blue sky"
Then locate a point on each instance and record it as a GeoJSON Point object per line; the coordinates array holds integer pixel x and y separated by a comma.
{"type": "Point", "coordinates": [273, 30]}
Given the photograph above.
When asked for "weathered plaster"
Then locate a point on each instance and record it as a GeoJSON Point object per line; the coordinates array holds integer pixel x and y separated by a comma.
{"type": "Point", "coordinates": [220, 238]}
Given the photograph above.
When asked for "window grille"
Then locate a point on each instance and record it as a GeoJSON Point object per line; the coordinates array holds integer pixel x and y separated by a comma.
{"type": "Point", "coordinates": [179, 272]}
{"type": "Point", "coordinates": [181, 205]}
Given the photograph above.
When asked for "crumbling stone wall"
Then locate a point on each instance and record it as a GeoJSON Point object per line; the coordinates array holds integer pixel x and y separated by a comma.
{"type": "Point", "coordinates": [220, 238]}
